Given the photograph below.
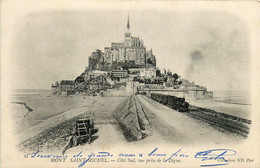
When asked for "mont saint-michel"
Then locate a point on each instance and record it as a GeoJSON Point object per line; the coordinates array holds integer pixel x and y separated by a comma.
{"type": "Point", "coordinates": [125, 63]}
{"type": "Point", "coordinates": [122, 97]}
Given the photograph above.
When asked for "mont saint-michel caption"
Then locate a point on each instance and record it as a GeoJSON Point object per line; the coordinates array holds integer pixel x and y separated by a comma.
{"type": "Point", "coordinates": [130, 78]}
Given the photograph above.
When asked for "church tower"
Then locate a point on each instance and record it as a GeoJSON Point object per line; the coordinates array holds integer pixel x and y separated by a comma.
{"type": "Point", "coordinates": [128, 23]}
{"type": "Point", "coordinates": [128, 34]}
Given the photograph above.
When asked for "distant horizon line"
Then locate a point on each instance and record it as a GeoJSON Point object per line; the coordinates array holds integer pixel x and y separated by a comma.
{"type": "Point", "coordinates": [51, 89]}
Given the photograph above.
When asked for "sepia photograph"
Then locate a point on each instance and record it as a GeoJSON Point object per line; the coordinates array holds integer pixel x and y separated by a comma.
{"type": "Point", "coordinates": [130, 84]}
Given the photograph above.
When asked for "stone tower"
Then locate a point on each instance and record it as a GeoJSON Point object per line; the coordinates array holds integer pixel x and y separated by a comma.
{"type": "Point", "coordinates": [128, 34]}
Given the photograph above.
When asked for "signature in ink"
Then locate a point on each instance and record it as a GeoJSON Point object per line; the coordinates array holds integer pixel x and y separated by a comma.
{"type": "Point", "coordinates": [215, 154]}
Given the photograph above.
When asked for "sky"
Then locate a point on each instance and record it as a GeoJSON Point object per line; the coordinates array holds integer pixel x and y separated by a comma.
{"type": "Point", "coordinates": [208, 47]}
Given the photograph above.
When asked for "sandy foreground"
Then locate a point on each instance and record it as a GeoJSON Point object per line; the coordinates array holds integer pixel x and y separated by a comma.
{"type": "Point", "coordinates": [50, 126]}
{"type": "Point", "coordinates": [55, 112]}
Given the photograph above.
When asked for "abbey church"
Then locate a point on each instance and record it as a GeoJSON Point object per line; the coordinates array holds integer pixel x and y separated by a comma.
{"type": "Point", "coordinates": [131, 53]}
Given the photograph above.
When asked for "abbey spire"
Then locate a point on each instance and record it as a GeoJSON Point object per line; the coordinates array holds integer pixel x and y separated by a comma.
{"type": "Point", "coordinates": [128, 23]}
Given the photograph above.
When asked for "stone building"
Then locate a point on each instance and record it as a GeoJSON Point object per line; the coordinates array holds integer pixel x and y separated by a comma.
{"type": "Point", "coordinates": [96, 60]}
{"type": "Point", "coordinates": [67, 85]}
{"type": "Point", "coordinates": [119, 74]}
{"type": "Point", "coordinates": [131, 52]}
{"type": "Point", "coordinates": [143, 72]}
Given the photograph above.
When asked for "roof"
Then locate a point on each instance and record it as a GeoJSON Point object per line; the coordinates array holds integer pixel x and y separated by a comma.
{"type": "Point", "coordinates": [148, 77]}
{"type": "Point", "coordinates": [99, 72]}
{"type": "Point", "coordinates": [168, 84]}
{"type": "Point", "coordinates": [159, 78]}
{"type": "Point", "coordinates": [113, 71]}
{"type": "Point", "coordinates": [67, 82]}
{"type": "Point", "coordinates": [135, 69]}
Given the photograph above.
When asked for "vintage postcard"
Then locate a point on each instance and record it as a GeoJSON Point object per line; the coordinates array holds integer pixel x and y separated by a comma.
{"type": "Point", "coordinates": [130, 84]}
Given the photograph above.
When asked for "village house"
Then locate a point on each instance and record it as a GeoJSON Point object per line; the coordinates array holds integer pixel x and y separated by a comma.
{"type": "Point", "coordinates": [67, 85]}
{"type": "Point", "coordinates": [144, 72]}
{"type": "Point", "coordinates": [119, 74]}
